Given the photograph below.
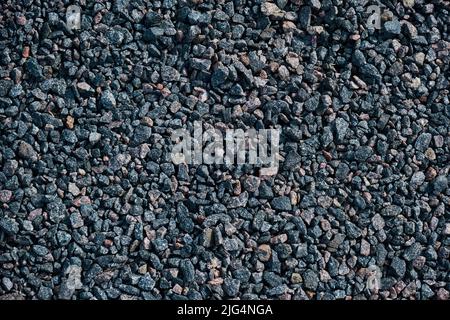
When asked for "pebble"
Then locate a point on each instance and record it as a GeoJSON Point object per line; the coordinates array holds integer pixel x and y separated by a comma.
{"type": "Point", "coordinates": [340, 127]}
{"type": "Point", "coordinates": [9, 226]}
{"type": "Point", "coordinates": [408, 3]}
{"type": "Point", "coordinates": [440, 184]}
{"type": "Point", "coordinates": [107, 100]}
{"type": "Point", "coordinates": [170, 74]}
{"type": "Point", "coordinates": [418, 178]}
{"type": "Point", "coordinates": [398, 267]}
{"type": "Point", "coordinates": [26, 151]}
{"type": "Point", "coordinates": [281, 203]}
{"type": "Point", "coordinates": [393, 27]}
{"type": "Point", "coordinates": [146, 282]}
{"type": "Point", "coordinates": [423, 141]}
{"type": "Point", "coordinates": [391, 211]}
{"type": "Point", "coordinates": [5, 196]}
{"type": "Point", "coordinates": [271, 9]}
{"type": "Point", "coordinates": [76, 220]}
{"type": "Point", "coordinates": [412, 252]}
{"type": "Point", "coordinates": [310, 280]}
{"type": "Point", "coordinates": [94, 137]}
{"type": "Point", "coordinates": [264, 252]}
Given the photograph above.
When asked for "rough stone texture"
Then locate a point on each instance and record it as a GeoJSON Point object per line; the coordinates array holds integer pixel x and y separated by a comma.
{"type": "Point", "coordinates": [92, 206]}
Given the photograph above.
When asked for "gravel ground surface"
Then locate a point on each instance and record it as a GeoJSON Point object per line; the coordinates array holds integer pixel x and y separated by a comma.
{"type": "Point", "coordinates": [92, 207]}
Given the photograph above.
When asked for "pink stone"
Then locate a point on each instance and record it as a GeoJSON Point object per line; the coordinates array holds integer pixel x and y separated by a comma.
{"type": "Point", "coordinates": [33, 214]}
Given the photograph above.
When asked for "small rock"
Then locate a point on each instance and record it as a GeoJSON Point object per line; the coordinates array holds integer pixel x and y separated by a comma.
{"type": "Point", "coordinates": [291, 161]}
{"type": "Point", "coordinates": [393, 27]}
{"type": "Point", "coordinates": [142, 134]}
{"type": "Point", "coordinates": [85, 89]}
{"type": "Point", "coordinates": [200, 64]}
{"type": "Point", "coordinates": [5, 196]}
{"type": "Point", "coordinates": [378, 222]}
{"type": "Point", "coordinates": [219, 76]}
{"type": "Point", "coordinates": [310, 280]}
{"type": "Point", "coordinates": [443, 294]}
{"type": "Point", "coordinates": [187, 271]}
{"type": "Point", "coordinates": [419, 58]}
{"type": "Point", "coordinates": [27, 152]}
{"type": "Point", "coordinates": [296, 278]}
{"type": "Point", "coordinates": [412, 252]}
{"type": "Point", "coordinates": [94, 137]}
{"type": "Point", "coordinates": [282, 203]}
{"type": "Point", "coordinates": [271, 9]}
{"type": "Point", "coordinates": [9, 226]}
{"type": "Point", "coordinates": [423, 141]}
{"type": "Point", "coordinates": [440, 184]}
{"type": "Point", "coordinates": [340, 127]}
{"type": "Point", "coordinates": [283, 72]}
{"type": "Point", "coordinates": [73, 189]}
{"type": "Point", "coordinates": [398, 267]}
{"type": "Point", "coordinates": [293, 60]}
{"type": "Point", "coordinates": [7, 284]}
{"type": "Point", "coordinates": [264, 252]}
{"type": "Point", "coordinates": [34, 68]}
{"type": "Point", "coordinates": [391, 211]}
{"type": "Point", "coordinates": [408, 3]}
{"type": "Point", "coordinates": [146, 282]}
{"type": "Point", "coordinates": [40, 250]}
{"type": "Point", "coordinates": [251, 183]}
{"type": "Point", "coordinates": [107, 100]}
{"type": "Point", "coordinates": [169, 74]}
{"type": "Point", "coordinates": [231, 286]}
{"type": "Point", "coordinates": [45, 293]}
{"type": "Point", "coordinates": [418, 178]}
{"type": "Point", "coordinates": [70, 122]}
{"type": "Point", "coordinates": [430, 154]}
{"type": "Point", "coordinates": [365, 248]}
{"type": "Point", "coordinates": [76, 220]}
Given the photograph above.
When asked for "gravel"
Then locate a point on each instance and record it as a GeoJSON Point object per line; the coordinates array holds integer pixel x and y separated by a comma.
{"type": "Point", "coordinates": [92, 206]}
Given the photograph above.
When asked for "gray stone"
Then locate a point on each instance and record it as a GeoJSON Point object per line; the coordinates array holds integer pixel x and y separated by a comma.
{"type": "Point", "coordinates": [394, 27]}
{"type": "Point", "coordinates": [282, 203]}
{"type": "Point", "coordinates": [9, 226]}
{"type": "Point", "coordinates": [201, 64]}
{"type": "Point", "coordinates": [398, 267]}
{"type": "Point", "coordinates": [45, 293]}
{"type": "Point", "coordinates": [391, 211]}
{"type": "Point", "coordinates": [219, 76]}
{"type": "Point", "coordinates": [40, 250]}
{"type": "Point", "coordinates": [440, 184]}
{"type": "Point", "coordinates": [412, 252]}
{"type": "Point", "coordinates": [5, 196]}
{"type": "Point", "coordinates": [340, 128]}
{"type": "Point", "coordinates": [423, 141]}
{"type": "Point", "coordinates": [142, 134]}
{"type": "Point", "coordinates": [107, 100]}
{"type": "Point", "coordinates": [310, 280]}
{"type": "Point", "coordinates": [94, 137]}
{"type": "Point", "coordinates": [27, 152]}
{"type": "Point", "coordinates": [291, 161]}
{"type": "Point", "coordinates": [169, 74]}
{"type": "Point", "coordinates": [363, 153]}
{"type": "Point", "coordinates": [418, 178]}
{"type": "Point", "coordinates": [76, 220]}
{"type": "Point", "coordinates": [146, 282]}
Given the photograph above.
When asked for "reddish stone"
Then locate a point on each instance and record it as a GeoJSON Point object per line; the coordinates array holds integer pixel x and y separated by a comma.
{"type": "Point", "coordinates": [26, 52]}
